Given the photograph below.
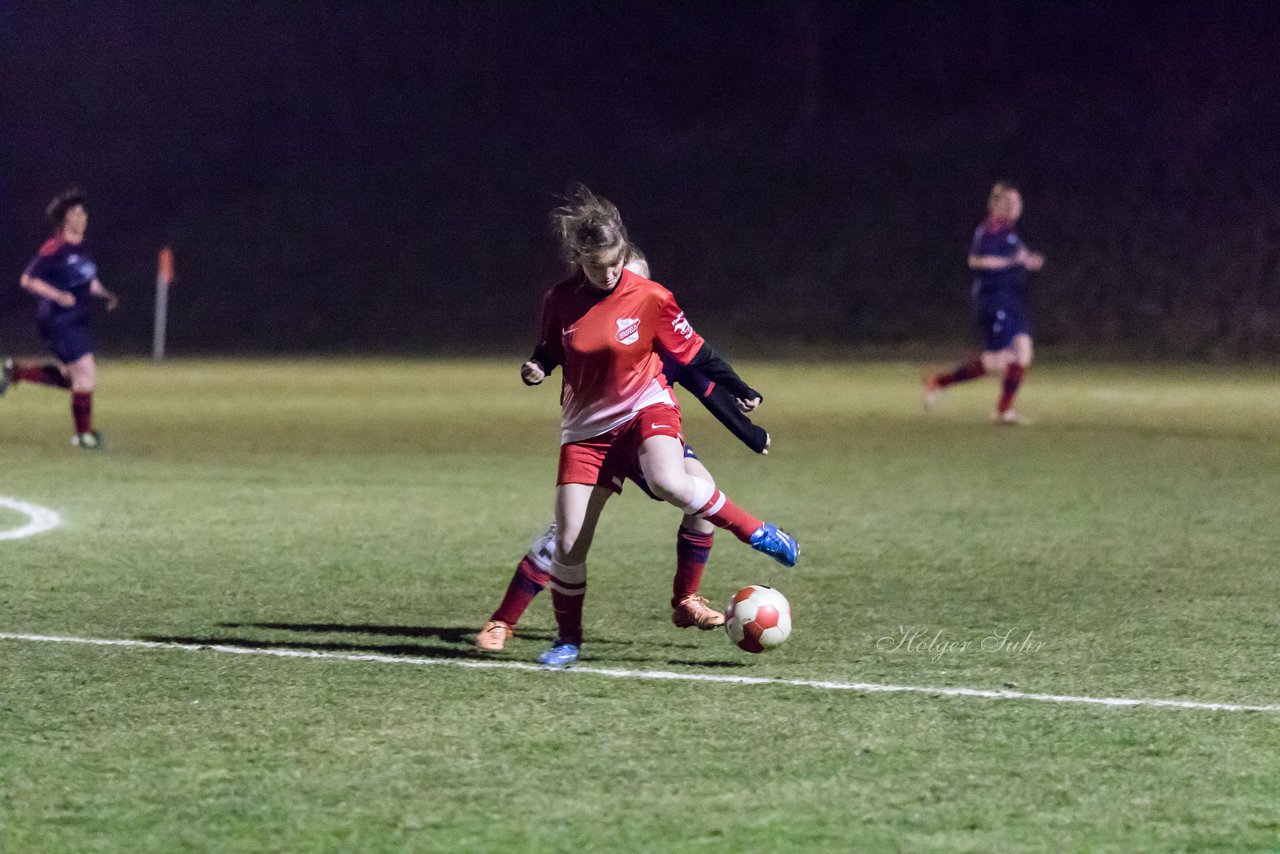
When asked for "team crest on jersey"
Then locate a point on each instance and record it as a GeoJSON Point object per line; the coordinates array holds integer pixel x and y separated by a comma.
{"type": "Point", "coordinates": [682, 326]}
{"type": "Point", "coordinates": [628, 330]}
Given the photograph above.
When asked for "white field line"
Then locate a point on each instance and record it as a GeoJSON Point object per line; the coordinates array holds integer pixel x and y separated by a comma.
{"type": "Point", "coordinates": [664, 675]}
{"type": "Point", "coordinates": [41, 519]}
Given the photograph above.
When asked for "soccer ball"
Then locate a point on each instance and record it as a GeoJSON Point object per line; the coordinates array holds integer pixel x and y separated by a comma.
{"type": "Point", "coordinates": [758, 618]}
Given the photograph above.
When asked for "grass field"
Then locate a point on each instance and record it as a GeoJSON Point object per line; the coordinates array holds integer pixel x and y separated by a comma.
{"type": "Point", "coordinates": [378, 508]}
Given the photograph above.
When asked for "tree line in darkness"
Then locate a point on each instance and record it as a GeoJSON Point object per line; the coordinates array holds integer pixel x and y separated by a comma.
{"type": "Point", "coordinates": [377, 176]}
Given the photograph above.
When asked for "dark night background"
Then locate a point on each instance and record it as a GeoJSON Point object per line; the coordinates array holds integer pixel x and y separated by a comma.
{"type": "Point", "coordinates": [376, 176]}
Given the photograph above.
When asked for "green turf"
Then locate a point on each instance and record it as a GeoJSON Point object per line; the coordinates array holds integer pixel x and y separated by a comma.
{"type": "Point", "coordinates": [380, 507]}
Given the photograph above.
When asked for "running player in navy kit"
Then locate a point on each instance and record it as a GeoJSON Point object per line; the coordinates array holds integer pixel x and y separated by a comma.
{"type": "Point", "coordinates": [1000, 263]}
{"type": "Point", "coordinates": [726, 396]}
{"type": "Point", "coordinates": [64, 276]}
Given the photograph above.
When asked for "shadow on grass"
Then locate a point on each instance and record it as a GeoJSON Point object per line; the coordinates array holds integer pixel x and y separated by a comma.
{"type": "Point", "coordinates": [452, 634]}
{"type": "Point", "coordinates": [455, 642]}
{"type": "Point", "coordinates": [404, 649]}
{"type": "Point", "coordinates": [448, 634]}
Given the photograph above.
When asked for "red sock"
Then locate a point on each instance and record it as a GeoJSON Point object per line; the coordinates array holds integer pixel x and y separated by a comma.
{"type": "Point", "coordinates": [41, 375]}
{"type": "Point", "coordinates": [568, 608]}
{"type": "Point", "coordinates": [568, 590]}
{"type": "Point", "coordinates": [723, 513]}
{"type": "Point", "coordinates": [963, 372]}
{"type": "Point", "coordinates": [82, 410]}
{"type": "Point", "coordinates": [526, 582]}
{"type": "Point", "coordinates": [692, 551]}
{"type": "Point", "coordinates": [1012, 379]}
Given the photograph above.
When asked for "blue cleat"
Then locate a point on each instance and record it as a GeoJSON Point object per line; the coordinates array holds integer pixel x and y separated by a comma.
{"type": "Point", "coordinates": [560, 655]}
{"type": "Point", "coordinates": [776, 543]}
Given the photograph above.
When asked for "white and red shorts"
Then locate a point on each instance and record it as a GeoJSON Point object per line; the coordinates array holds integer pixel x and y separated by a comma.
{"type": "Point", "coordinates": [610, 458]}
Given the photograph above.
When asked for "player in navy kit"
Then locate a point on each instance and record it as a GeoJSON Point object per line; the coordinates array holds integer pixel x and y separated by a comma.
{"type": "Point", "coordinates": [65, 278]}
{"type": "Point", "coordinates": [1000, 262]}
{"type": "Point", "coordinates": [726, 396]}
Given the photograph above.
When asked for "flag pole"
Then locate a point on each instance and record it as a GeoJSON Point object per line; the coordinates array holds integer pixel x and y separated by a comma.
{"type": "Point", "coordinates": [164, 278]}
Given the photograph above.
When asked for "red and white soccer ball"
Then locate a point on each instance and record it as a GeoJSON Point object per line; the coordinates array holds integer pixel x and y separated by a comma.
{"type": "Point", "coordinates": [758, 618]}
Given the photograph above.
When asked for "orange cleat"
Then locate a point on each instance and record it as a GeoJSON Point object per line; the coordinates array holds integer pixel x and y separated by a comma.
{"type": "Point", "coordinates": [493, 637]}
{"type": "Point", "coordinates": [693, 610]}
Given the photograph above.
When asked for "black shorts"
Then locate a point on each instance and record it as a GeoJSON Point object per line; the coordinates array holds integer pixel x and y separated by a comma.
{"type": "Point", "coordinates": [999, 321]}
{"type": "Point", "coordinates": [67, 341]}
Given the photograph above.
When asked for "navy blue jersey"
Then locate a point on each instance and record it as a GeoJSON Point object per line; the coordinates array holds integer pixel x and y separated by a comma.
{"type": "Point", "coordinates": [68, 267]}
{"type": "Point", "coordinates": [996, 285]}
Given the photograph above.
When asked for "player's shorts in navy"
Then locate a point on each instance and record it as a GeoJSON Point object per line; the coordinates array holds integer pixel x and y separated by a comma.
{"type": "Point", "coordinates": [67, 341]}
{"type": "Point", "coordinates": [638, 478]}
{"type": "Point", "coordinates": [999, 321]}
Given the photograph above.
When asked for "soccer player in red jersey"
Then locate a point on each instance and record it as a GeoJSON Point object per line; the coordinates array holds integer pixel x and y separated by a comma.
{"type": "Point", "coordinates": [64, 276]}
{"type": "Point", "coordinates": [607, 329]}
{"type": "Point", "coordinates": [1000, 262]}
{"type": "Point", "coordinates": [719, 388]}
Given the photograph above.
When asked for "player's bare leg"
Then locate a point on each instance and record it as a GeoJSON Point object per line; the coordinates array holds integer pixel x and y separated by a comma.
{"type": "Point", "coordinates": [661, 462]}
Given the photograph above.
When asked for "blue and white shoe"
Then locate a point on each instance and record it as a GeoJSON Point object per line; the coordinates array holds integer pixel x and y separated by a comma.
{"type": "Point", "coordinates": [560, 655]}
{"type": "Point", "coordinates": [776, 543]}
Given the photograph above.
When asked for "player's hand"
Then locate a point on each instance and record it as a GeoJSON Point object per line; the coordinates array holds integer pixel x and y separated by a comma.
{"type": "Point", "coordinates": [768, 440]}
{"type": "Point", "coordinates": [532, 373]}
{"type": "Point", "coordinates": [112, 301]}
{"type": "Point", "coordinates": [748, 404]}
{"type": "Point", "coordinates": [66, 300]}
{"type": "Point", "coordinates": [1033, 262]}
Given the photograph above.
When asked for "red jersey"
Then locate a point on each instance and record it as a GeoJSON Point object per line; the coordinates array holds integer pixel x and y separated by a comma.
{"type": "Point", "coordinates": [608, 345]}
